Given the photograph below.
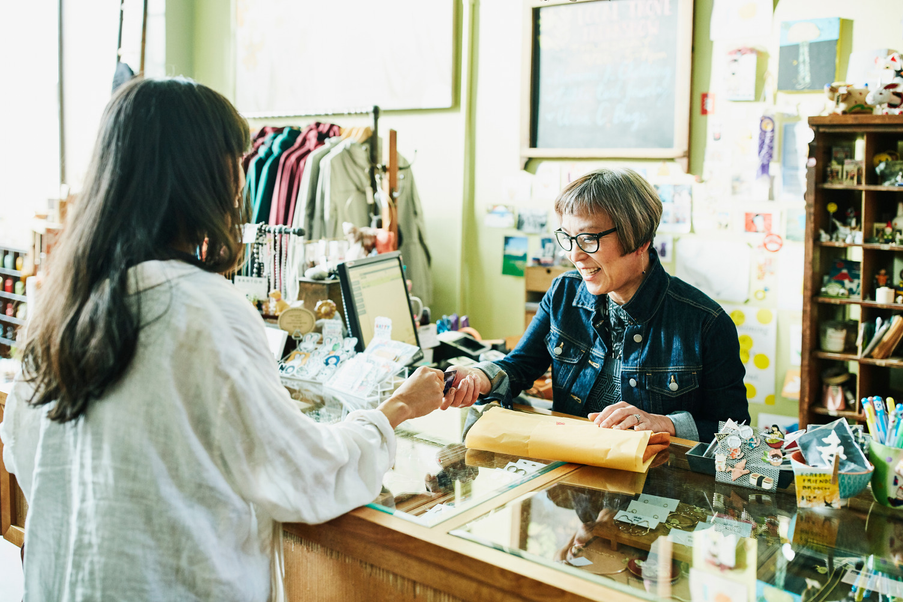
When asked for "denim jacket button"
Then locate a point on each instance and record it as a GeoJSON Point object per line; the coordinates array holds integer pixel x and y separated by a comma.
{"type": "Point", "coordinates": [638, 338]}
{"type": "Point", "coordinates": [632, 382]}
{"type": "Point", "coordinates": [673, 386]}
{"type": "Point", "coordinates": [557, 351]}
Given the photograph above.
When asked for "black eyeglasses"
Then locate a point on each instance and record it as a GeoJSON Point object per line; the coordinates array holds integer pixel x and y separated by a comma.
{"type": "Point", "coordinates": [588, 243]}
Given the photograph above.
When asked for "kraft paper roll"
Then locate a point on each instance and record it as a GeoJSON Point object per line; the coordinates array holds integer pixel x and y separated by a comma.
{"type": "Point", "coordinates": [560, 439]}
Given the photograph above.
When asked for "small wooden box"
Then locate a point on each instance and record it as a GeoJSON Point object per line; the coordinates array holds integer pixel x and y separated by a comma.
{"type": "Point", "coordinates": [313, 291]}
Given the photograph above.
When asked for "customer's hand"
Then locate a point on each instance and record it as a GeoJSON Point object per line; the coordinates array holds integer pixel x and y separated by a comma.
{"type": "Point", "coordinates": [469, 384]}
{"type": "Point", "coordinates": [624, 416]}
{"type": "Point", "coordinates": [417, 396]}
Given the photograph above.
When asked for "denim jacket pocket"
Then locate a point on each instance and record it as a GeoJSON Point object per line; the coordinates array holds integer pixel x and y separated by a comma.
{"type": "Point", "coordinates": [672, 391]}
{"type": "Point", "coordinates": [567, 355]}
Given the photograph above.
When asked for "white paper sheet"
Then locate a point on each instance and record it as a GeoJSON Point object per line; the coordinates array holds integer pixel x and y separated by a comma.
{"type": "Point", "coordinates": [732, 19]}
{"type": "Point", "coordinates": [720, 269]}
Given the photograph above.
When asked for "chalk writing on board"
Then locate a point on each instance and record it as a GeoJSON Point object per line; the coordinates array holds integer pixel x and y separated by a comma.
{"type": "Point", "coordinates": [605, 74]}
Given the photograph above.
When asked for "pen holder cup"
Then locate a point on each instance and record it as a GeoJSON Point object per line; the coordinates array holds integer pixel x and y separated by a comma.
{"type": "Point", "coordinates": [887, 480]}
{"type": "Point", "coordinates": [849, 484]}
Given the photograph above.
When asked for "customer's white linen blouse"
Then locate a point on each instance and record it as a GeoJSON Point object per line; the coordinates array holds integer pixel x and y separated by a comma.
{"type": "Point", "coordinates": [173, 485]}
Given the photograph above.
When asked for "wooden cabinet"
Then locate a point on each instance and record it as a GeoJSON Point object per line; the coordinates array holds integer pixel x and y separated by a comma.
{"type": "Point", "coordinates": [537, 280]}
{"type": "Point", "coordinates": [865, 136]}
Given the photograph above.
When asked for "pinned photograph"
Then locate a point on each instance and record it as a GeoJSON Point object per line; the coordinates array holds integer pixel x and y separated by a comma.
{"type": "Point", "coordinates": [499, 216]}
{"type": "Point", "coordinates": [532, 221]}
{"type": "Point", "coordinates": [514, 259]}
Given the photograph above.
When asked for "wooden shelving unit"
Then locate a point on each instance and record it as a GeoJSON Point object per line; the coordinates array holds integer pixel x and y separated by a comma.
{"type": "Point", "coordinates": [9, 324]}
{"type": "Point", "coordinates": [874, 203]}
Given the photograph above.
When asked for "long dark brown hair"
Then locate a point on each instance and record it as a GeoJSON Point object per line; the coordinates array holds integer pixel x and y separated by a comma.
{"type": "Point", "coordinates": [164, 179]}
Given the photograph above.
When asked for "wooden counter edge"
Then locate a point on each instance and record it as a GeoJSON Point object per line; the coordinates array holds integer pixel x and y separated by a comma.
{"type": "Point", "coordinates": [450, 564]}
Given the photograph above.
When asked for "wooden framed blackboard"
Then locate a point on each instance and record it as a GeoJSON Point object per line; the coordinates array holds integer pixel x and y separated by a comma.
{"type": "Point", "coordinates": [606, 79]}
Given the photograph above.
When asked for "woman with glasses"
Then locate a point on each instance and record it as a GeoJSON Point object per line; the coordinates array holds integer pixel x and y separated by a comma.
{"type": "Point", "coordinates": [630, 346]}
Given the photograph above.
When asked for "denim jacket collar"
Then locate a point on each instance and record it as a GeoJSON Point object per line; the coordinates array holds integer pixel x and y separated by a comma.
{"type": "Point", "coordinates": [647, 299]}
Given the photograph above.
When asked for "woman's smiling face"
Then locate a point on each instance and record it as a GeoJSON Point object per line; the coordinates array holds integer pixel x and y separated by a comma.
{"type": "Point", "coordinates": [608, 270]}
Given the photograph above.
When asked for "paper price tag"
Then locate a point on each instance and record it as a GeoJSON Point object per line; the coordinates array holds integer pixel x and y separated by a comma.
{"type": "Point", "coordinates": [637, 519]}
{"type": "Point", "coordinates": [657, 513]}
{"type": "Point", "coordinates": [662, 502]}
{"type": "Point", "coordinates": [579, 561]}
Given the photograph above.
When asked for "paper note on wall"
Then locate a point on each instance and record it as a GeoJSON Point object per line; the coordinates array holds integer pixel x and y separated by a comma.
{"type": "Point", "coordinates": [757, 329]}
{"type": "Point", "coordinates": [720, 269]}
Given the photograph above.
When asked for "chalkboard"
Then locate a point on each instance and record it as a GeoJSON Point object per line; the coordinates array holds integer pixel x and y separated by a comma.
{"type": "Point", "coordinates": [608, 78]}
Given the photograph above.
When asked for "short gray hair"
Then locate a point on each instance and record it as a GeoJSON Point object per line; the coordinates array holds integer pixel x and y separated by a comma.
{"type": "Point", "coordinates": [623, 195]}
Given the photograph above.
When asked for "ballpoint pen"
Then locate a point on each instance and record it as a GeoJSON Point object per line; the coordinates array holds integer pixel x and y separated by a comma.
{"type": "Point", "coordinates": [880, 418]}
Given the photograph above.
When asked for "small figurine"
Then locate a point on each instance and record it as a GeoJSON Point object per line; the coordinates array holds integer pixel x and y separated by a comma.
{"type": "Point", "coordinates": [848, 100]}
{"type": "Point", "coordinates": [276, 304]}
{"type": "Point", "coordinates": [888, 99]}
{"type": "Point", "coordinates": [881, 278]}
{"type": "Point", "coordinates": [887, 235]}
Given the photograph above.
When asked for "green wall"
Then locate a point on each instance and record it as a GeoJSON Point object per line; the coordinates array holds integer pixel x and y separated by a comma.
{"type": "Point", "coordinates": [464, 154]}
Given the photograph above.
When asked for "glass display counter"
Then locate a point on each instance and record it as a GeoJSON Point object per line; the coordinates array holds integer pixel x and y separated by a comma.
{"type": "Point", "coordinates": [478, 525]}
{"type": "Point", "coordinates": [713, 542]}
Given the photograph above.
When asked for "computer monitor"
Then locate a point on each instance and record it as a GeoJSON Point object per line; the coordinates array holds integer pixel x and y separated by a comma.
{"type": "Point", "coordinates": [375, 287]}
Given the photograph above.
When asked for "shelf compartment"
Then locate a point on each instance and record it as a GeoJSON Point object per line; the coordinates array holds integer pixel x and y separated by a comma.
{"type": "Point", "coordinates": [837, 413]}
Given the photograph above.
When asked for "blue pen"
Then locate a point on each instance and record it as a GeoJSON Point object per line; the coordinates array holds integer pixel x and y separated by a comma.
{"type": "Point", "coordinates": [880, 419]}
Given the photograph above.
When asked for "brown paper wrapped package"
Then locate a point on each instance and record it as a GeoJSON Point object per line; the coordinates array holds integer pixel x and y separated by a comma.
{"type": "Point", "coordinates": [564, 440]}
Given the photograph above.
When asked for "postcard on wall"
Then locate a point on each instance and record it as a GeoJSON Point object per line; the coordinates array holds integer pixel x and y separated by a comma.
{"type": "Point", "coordinates": [677, 206]}
{"type": "Point", "coordinates": [740, 83]}
{"type": "Point", "coordinates": [514, 259]}
{"type": "Point", "coordinates": [757, 329]}
{"type": "Point", "coordinates": [532, 221]}
{"type": "Point", "coordinates": [664, 245]}
{"type": "Point", "coordinates": [499, 216]}
{"type": "Point", "coordinates": [808, 55]}
{"type": "Point", "coordinates": [758, 222]}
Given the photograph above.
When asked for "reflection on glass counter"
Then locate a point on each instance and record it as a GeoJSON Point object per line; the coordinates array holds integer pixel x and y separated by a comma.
{"type": "Point", "coordinates": [435, 477]}
{"type": "Point", "coordinates": [673, 533]}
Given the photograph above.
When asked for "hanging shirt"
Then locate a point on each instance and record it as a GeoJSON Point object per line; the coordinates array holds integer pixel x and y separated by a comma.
{"type": "Point", "coordinates": [267, 182]}
{"type": "Point", "coordinates": [291, 165]}
{"type": "Point", "coordinates": [172, 486]}
{"type": "Point", "coordinates": [305, 203]}
{"type": "Point", "coordinates": [255, 167]}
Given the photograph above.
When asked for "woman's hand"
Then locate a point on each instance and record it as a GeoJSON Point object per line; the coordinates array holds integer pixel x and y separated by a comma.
{"type": "Point", "coordinates": [469, 384]}
{"type": "Point", "coordinates": [624, 416]}
{"type": "Point", "coordinates": [418, 395]}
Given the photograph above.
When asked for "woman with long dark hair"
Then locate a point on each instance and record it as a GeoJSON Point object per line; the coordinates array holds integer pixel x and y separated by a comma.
{"type": "Point", "coordinates": [148, 429]}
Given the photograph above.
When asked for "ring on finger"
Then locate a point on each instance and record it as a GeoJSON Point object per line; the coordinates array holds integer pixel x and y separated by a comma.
{"type": "Point", "coordinates": [639, 419]}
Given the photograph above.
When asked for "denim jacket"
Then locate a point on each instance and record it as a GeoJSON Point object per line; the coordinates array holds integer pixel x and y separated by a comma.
{"type": "Point", "coordinates": [681, 353]}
